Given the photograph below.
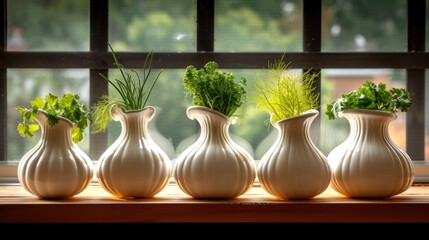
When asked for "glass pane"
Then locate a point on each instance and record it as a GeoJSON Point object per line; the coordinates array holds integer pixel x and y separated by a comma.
{"type": "Point", "coordinates": [250, 130]}
{"type": "Point", "coordinates": [24, 85]}
{"type": "Point", "coordinates": [153, 25]}
{"type": "Point", "coordinates": [337, 81]}
{"type": "Point", "coordinates": [46, 25]}
{"type": "Point", "coordinates": [253, 25]}
{"type": "Point", "coordinates": [364, 25]}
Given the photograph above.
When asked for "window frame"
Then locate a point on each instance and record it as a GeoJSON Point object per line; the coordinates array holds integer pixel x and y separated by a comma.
{"type": "Point", "coordinates": [415, 61]}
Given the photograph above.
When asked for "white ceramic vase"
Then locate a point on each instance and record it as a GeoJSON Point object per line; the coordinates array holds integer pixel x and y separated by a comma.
{"type": "Point", "coordinates": [56, 167]}
{"type": "Point", "coordinates": [294, 168]}
{"type": "Point", "coordinates": [214, 167]}
{"type": "Point", "coordinates": [134, 166]}
{"type": "Point", "coordinates": [368, 164]}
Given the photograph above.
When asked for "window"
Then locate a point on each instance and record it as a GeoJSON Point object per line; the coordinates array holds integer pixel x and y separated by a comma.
{"type": "Point", "coordinates": [349, 41]}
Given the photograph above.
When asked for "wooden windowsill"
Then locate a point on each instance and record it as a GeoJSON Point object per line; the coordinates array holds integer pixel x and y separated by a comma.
{"type": "Point", "coordinates": [172, 205]}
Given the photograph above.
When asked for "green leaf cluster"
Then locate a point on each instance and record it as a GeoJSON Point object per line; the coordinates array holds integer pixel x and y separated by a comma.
{"type": "Point", "coordinates": [67, 106]}
{"type": "Point", "coordinates": [134, 92]}
{"type": "Point", "coordinates": [284, 93]}
{"type": "Point", "coordinates": [214, 88]}
{"type": "Point", "coordinates": [371, 96]}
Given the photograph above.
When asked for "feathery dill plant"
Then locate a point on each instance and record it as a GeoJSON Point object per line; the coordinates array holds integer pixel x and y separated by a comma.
{"type": "Point", "coordinates": [285, 93]}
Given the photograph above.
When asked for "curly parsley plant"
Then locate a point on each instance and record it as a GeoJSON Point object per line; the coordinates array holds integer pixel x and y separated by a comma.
{"type": "Point", "coordinates": [215, 89]}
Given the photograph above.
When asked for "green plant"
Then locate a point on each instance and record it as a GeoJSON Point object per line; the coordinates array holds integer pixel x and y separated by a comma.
{"type": "Point", "coordinates": [284, 93]}
{"type": "Point", "coordinates": [134, 92]}
{"type": "Point", "coordinates": [371, 96]}
{"type": "Point", "coordinates": [215, 89]}
{"type": "Point", "coordinates": [67, 106]}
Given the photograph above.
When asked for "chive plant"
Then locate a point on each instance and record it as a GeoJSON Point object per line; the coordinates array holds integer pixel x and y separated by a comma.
{"type": "Point", "coordinates": [133, 90]}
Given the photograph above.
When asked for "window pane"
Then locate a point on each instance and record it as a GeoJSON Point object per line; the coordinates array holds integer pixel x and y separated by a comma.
{"type": "Point", "coordinates": [337, 81]}
{"type": "Point", "coordinates": [24, 85]}
{"type": "Point", "coordinates": [364, 25]}
{"type": "Point", "coordinates": [250, 130]}
{"type": "Point", "coordinates": [48, 25]}
{"type": "Point", "coordinates": [153, 25]}
{"type": "Point", "coordinates": [253, 25]}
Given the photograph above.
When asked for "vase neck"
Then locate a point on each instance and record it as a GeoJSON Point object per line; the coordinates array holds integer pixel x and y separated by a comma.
{"type": "Point", "coordinates": [134, 122]}
{"type": "Point", "coordinates": [58, 134]}
{"type": "Point", "coordinates": [296, 126]}
{"type": "Point", "coordinates": [214, 125]}
{"type": "Point", "coordinates": [369, 124]}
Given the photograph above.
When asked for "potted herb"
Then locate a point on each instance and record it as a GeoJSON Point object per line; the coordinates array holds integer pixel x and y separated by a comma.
{"type": "Point", "coordinates": [207, 168]}
{"type": "Point", "coordinates": [215, 89]}
{"type": "Point", "coordinates": [293, 167]}
{"type": "Point", "coordinates": [55, 108]}
{"type": "Point", "coordinates": [134, 92]}
{"type": "Point", "coordinates": [285, 94]}
{"type": "Point", "coordinates": [371, 96]}
{"type": "Point", "coordinates": [56, 167]}
{"type": "Point", "coordinates": [368, 164]}
{"type": "Point", "coordinates": [134, 166]}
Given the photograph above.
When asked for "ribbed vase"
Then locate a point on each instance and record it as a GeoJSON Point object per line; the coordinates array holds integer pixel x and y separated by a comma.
{"type": "Point", "coordinates": [368, 164]}
{"type": "Point", "coordinates": [56, 167]}
{"type": "Point", "coordinates": [214, 167]}
{"type": "Point", "coordinates": [294, 168]}
{"type": "Point", "coordinates": [134, 166]}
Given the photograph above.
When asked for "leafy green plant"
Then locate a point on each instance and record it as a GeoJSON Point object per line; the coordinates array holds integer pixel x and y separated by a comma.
{"type": "Point", "coordinates": [134, 92]}
{"type": "Point", "coordinates": [67, 106]}
{"type": "Point", "coordinates": [371, 96]}
{"type": "Point", "coordinates": [214, 88]}
{"type": "Point", "coordinates": [285, 94]}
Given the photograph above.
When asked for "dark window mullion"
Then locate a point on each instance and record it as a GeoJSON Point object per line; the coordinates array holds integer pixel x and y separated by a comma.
{"type": "Point", "coordinates": [98, 43]}
{"type": "Point", "coordinates": [3, 26]}
{"type": "Point", "coordinates": [312, 29]}
{"type": "Point", "coordinates": [3, 83]}
{"type": "Point", "coordinates": [205, 25]}
{"type": "Point", "coordinates": [415, 123]}
{"type": "Point", "coordinates": [234, 60]}
{"type": "Point", "coordinates": [312, 42]}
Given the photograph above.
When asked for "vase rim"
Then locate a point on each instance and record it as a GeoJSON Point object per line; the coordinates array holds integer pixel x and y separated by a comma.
{"type": "Point", "coordinates": [195, 107]}
{"type": "Point", "coordinates": [68, 121]}
{"type": "Point", "coordinates": [133, 110]}
{"type": "Point", "coordinates": [306, 114]}
{"type": "Point", "coordinates": [368, 112]}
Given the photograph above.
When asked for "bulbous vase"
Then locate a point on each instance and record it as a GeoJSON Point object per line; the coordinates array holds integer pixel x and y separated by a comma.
{"type": "Point", "coordinates": [214, 167]}
{"type": "Point", "coordinates": [368, 164]}
{"type": "Point", "coordinates": [294, 168]}
{"type": "Point", "coordinates": [134, 166]}
{"type": "Point", "coordinates": [56, 167]}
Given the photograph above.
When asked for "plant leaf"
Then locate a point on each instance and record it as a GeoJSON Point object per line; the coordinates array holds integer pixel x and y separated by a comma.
{"type": "Point", "coordinates": [371, 96]}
